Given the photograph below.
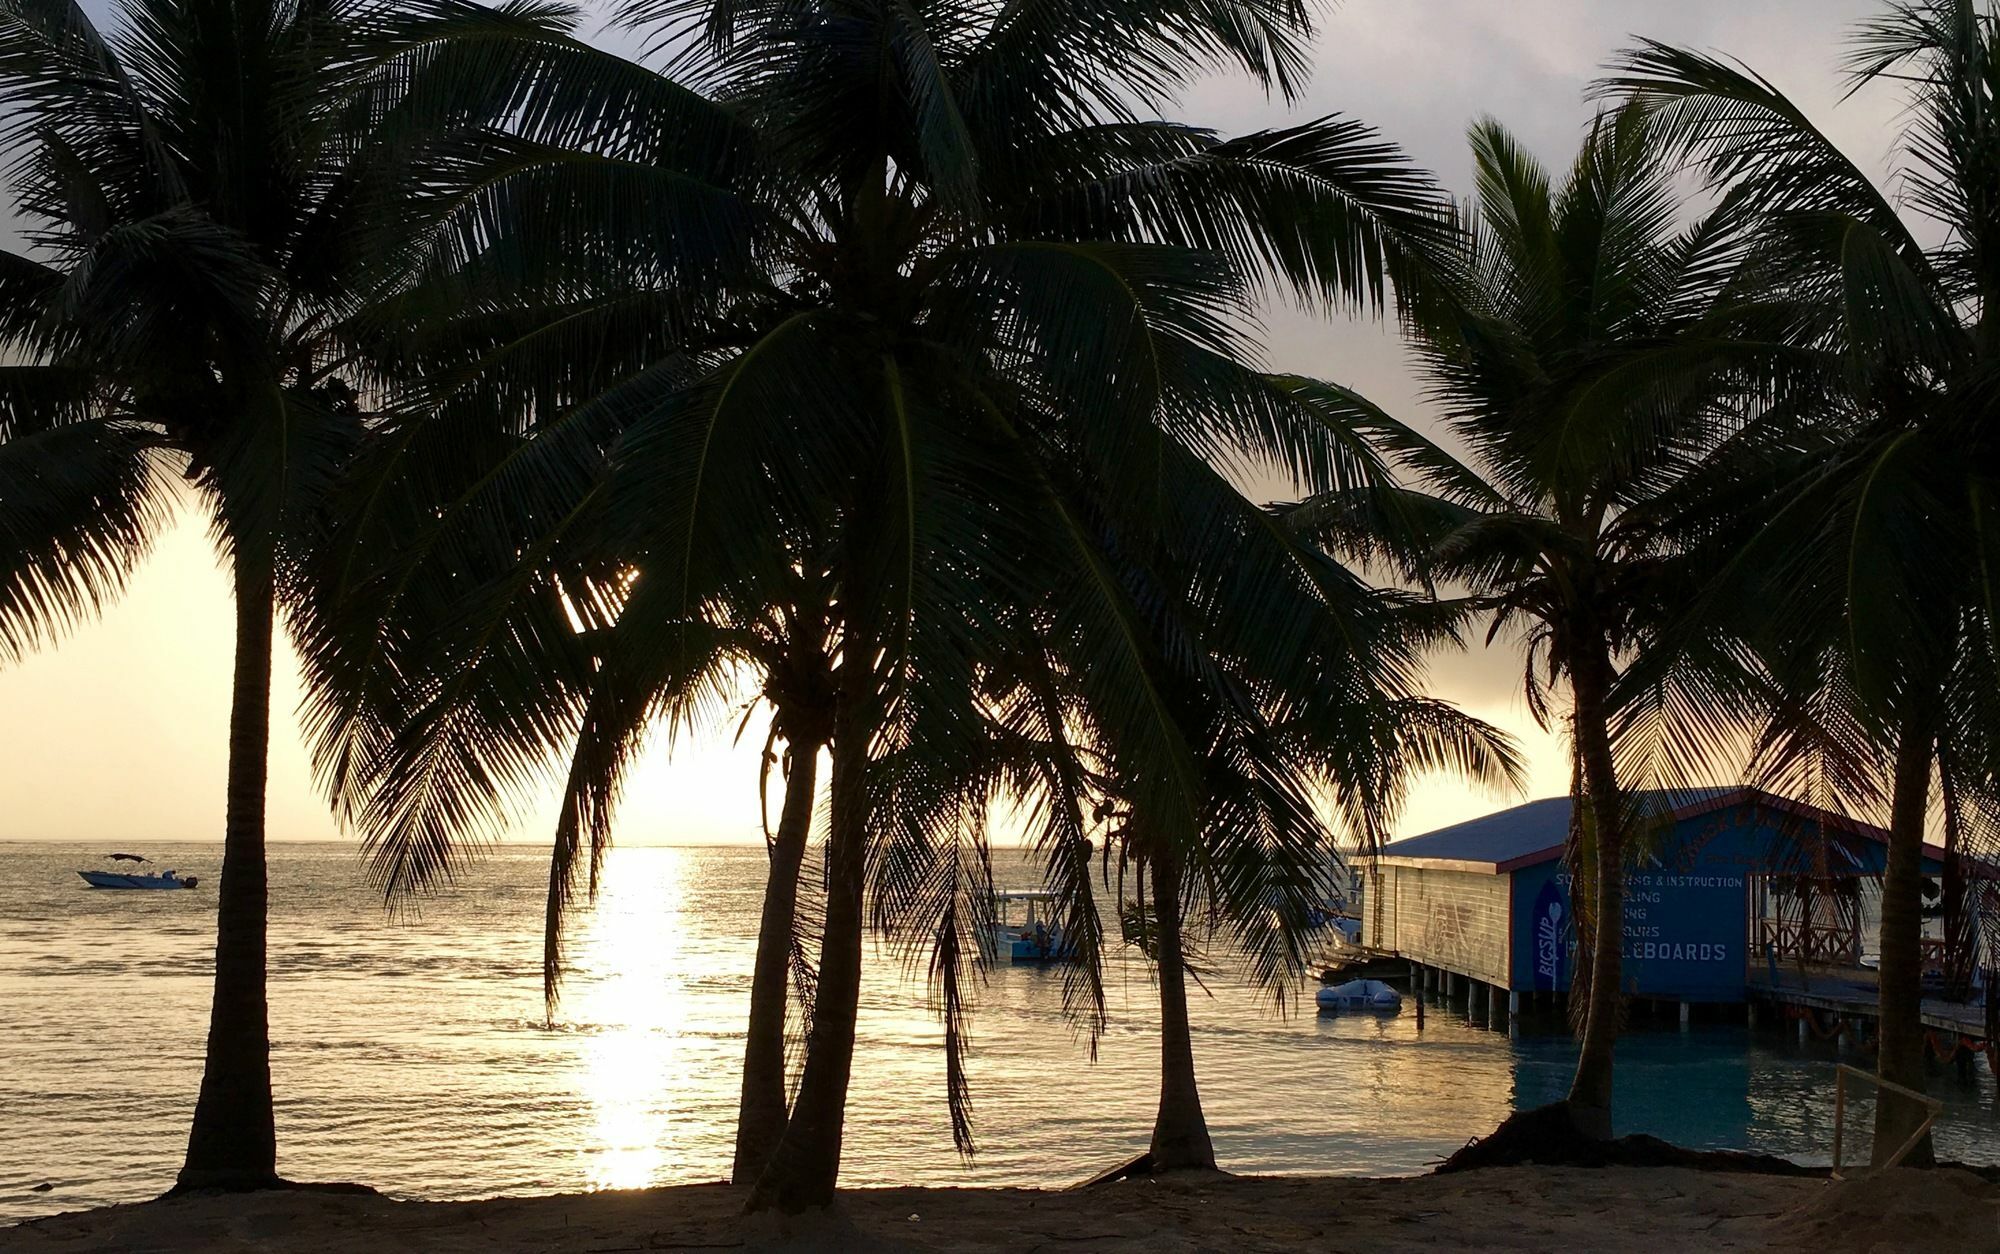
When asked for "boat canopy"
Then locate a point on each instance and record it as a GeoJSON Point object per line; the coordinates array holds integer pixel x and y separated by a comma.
{"type": "Point", "coordinates": [1024, 894]}
{"type": "Point", "coordinates": [125, 857]}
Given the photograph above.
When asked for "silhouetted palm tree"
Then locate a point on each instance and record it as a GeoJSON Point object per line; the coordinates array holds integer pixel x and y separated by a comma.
{"type": "Point", "coordinates": [1891, 540]}
{"type": "Point", "coordinates": [923, 287]}
{"type": "Point", "coordinates": [1601, 384]}
{"type": "Point", "coordinates": [206, 194]}
{"type": "Point", "coordinates": [1264, 863]}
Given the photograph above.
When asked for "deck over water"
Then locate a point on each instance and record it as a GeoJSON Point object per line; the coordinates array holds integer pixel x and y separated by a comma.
{"type": "Point", "coordinates": [1856, 999]}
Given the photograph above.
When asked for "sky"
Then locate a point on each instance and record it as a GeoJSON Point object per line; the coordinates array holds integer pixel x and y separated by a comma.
{"type": "Point", "coordinates": [118, 735]}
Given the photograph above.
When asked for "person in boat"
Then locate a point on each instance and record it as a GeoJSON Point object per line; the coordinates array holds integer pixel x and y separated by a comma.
{"type": "Point", "coordinates": [1041, 938]}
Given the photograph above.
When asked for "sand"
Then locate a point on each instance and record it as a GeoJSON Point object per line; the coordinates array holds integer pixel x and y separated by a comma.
{"type": "Point", "coordinates": [1655, 1210]}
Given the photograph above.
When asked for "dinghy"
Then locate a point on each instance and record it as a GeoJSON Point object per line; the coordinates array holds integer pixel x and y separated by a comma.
{"type": "Point", "coordinates": [1359, 995]}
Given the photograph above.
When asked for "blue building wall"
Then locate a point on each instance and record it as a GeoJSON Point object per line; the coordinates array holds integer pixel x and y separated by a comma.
{"type": "Point", "coordinates": [1687, 905]}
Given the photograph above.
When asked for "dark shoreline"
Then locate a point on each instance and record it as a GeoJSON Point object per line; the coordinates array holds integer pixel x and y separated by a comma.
{"type": "Point", "coordinates": [1620, 1210]}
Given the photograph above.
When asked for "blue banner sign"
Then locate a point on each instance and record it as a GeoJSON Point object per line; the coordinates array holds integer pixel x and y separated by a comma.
{"type": "Point", "coordinates": [1684, 932]}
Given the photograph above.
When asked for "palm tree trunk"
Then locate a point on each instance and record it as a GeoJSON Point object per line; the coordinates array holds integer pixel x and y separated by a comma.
{"type": "Point", "coordinates": [233, 1144]}
{"type": "Point", "coordinates": [1900, 1059]}
{"type": "Point", "coordinates": [760, 1116]}
{"type": "Point", "coordinates": [1590, 1090]}
{"type": "Point", "coordinates": [1180, 1131]}
{"type": "Point", "coordinates": [805, 1166]}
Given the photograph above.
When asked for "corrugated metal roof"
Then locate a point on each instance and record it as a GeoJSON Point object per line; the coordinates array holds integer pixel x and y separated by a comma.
{"type": "Point", "coordinates": [1535, 832]}
{"type": "Point", "coordinates": [1500, 837]}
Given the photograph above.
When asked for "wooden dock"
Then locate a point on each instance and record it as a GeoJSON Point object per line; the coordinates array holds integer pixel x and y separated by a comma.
{"type": "Point", "coordinates": [1355, 962]}
{"type": "Point", "coordinates": [1849, 998]}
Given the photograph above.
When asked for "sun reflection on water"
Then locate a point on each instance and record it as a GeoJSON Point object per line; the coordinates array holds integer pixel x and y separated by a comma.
{"type": "Point", "coordinates": [628, 987]}
{"type": "Point", "coordinates": [434, 1076]}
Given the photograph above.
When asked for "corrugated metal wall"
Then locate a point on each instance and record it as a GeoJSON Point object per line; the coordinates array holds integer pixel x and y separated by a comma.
{"type": "Point", "coordinates": [1451, 919]}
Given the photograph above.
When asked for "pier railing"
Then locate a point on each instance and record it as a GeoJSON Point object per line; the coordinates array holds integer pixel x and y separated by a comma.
{"type": "Point", "coordinates": [1798, 940]}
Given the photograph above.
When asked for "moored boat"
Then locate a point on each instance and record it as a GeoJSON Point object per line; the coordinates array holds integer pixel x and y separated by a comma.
{"type": "Point", "coordinates": [1359, 995]}
{"type": "Point", "coordinates": [136, 878]}
{"type": "Point", "coordinates": [1030, 938]}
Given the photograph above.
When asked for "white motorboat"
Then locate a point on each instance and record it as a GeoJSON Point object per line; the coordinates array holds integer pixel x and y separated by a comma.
{"type": "Point", "coordinates": [1346, 929]}
{"type": "Point", "coordinates": [136, 878]}
{"type": "Point", "coordinates": [1359, 995]}
{"type": "Point", "coordinates": [1019, 933]}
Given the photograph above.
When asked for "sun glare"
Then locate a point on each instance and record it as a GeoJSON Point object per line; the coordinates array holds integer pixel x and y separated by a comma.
{"type": "Point", "coordinates": [628, 989]}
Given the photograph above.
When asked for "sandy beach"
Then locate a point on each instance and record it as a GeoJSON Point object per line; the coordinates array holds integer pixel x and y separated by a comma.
{"type": "Point", "coordinates": [1522, 1208]}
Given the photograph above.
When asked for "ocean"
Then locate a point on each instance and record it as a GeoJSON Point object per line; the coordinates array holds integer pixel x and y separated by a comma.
{"type": "Point", "coordinates": [411, 1052]}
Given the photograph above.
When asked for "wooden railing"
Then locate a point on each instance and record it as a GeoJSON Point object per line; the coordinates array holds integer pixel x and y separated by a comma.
{"type": "Point", "coordinates": [1931, 1105]}
{"type": "Point", "coordinates": [1794, 940]}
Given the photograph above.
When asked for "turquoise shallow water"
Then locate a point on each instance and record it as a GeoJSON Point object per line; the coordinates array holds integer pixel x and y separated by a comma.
{"type": "Point", "coordinates": [412, 1053]}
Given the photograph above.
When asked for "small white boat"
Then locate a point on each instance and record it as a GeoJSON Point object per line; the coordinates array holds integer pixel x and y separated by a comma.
{"type": "Point", "coordinates": [1359, 995]}
{"type": "Point", "coordinates": [136, 878]}
{"type": "Point", "coordinates": [1346, 928]}
{"type": "Point", "coordinates": [1019, 933]}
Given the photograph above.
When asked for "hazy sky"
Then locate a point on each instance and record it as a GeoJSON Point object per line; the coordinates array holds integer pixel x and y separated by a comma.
{"type": "Point", "coordinates": [118, 735]}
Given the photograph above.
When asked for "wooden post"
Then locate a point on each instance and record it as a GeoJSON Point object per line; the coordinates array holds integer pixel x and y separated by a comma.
{"type": "Point", "coordinates": [1839, 1115]}
{"type": "Point", "coordinates": [1929, 1103]}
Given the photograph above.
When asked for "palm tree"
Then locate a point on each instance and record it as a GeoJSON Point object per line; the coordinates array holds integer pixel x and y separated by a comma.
{"type": "Point", "coordinates": [957, 299]}
{"type": "Point", "coordinates": [206, 191]}
{"type": "Point", "coordinates": [1264, 861]}
{"type": "Point", "coordinates": [791, 647]}
{"type": "Point", "coordinates": [1596, 378]}
{"type": "Point", "coordinates": [567, 666]}
{"type": "Point", "coordinates": [800, 643]}
{"type": "Point", "coordinates": [1290, 686]}
{"type": "Point", "coordinates": [1891, 541]}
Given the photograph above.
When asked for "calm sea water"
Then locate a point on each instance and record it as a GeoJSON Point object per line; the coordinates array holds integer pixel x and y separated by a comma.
{"type": "Point", "coordinates": [413, 1054]}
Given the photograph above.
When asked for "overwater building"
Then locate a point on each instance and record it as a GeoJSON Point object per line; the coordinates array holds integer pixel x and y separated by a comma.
{"type": "Point", "coordinates": [1729, 887]}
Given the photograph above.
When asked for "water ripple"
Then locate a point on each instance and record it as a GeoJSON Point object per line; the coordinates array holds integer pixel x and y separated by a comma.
{"type": "Point", "coordinates": [415, 1053]}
